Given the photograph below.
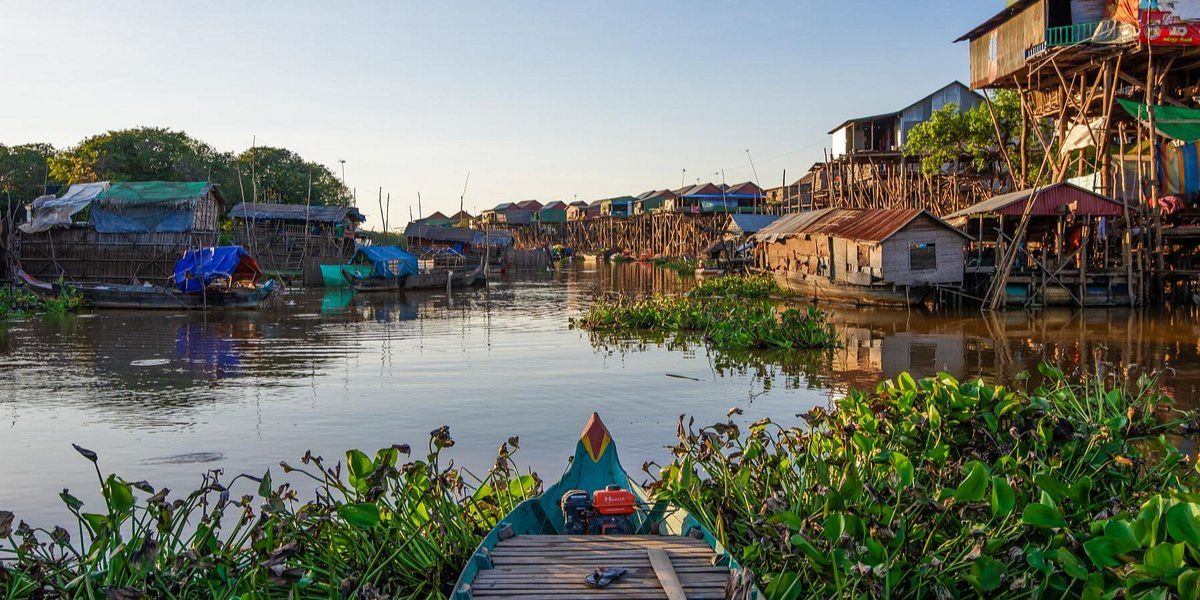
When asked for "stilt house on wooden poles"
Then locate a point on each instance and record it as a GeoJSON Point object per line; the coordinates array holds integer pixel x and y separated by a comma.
{"type": "Point", "coordinates": [295, 239]}
{"type": "Point", "coordinates": [1067, 254]}
{"type": "Point", "coordinates": [1086, 72]}
{"type": "Point", "coordinates": [867, 167]}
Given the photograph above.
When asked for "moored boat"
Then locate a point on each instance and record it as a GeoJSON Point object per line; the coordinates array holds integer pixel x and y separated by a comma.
{"type": "Point", "coordinates": [224, 277]}
{"type": "Point", "coordinates": [596, 523]}
{"type": "Point", "coordinates": [821, 289]}
{"type": "Point", "coordinates": [445, 276]}
{"type": "Point", "coordinates": [379, 268]}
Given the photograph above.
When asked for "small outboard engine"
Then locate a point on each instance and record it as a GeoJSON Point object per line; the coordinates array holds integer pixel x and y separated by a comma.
{"type": "Point", "coordinates": [576, 509]}
{"type": "Point", "coordinates": [613, 510]}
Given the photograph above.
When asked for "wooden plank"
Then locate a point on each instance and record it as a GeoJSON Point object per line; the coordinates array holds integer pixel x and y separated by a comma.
{"type": "Point", "coordinates": [666, 574]}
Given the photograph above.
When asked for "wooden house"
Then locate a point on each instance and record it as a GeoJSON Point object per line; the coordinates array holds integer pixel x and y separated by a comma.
{"type": "Point", "coordinates": [554, 212]}
{"type": "Point", "coordinates": [594, 210]}
{"type": "Point", "coordinates": [1003, 47]}
{"type": "Point", "coordinates": [749, 197]}
{"type": "Point", "coordinates": [617, 208]}
{"type": "Point", "coordinates": [884, 135]}
{"type": "Point", "coordinates": [893, 257]}
{"type": "Point", "coordinates": [495, 215]}
{"type": "Point", "coordinates": [652, 201]}
{"type": "Point", "coordinates": [437, 219]}
{"type": "Point", "coordinates": [702, 198]}
{"type": "Point", "coordinates": [134, 232]}
{"type": "Point", "coordinates": [577, 211]}
{"type": "Point", "coordinates": [461, 218]}
{"type": "Point", "coordinates": [521, 213]}
{"type": "Point", "coordinates": [295, 238]}
{"type": "Point", "coordinates": [1069, 252]}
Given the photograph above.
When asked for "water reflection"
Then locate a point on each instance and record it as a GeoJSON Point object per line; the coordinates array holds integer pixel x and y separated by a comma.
{"type": "Point", "coordinates": [333, 371]}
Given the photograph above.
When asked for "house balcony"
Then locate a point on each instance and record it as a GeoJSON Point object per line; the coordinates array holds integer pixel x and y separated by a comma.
{"type": "Point", "coordinates": [1067, 35]}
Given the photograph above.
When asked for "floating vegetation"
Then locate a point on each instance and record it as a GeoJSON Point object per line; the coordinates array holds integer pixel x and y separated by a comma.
{"type": "Point", "coordinates": [732, 313]}
{"type": "Point", "coordinates": [936, 488]}
{"type": "Point", "coordinates": [376, 528]}
{"type": "Point", "coordinates": [737, 286]}
{"type": "Point", "coordinates": [683, 266]}
{"type": "Point", "coordinates": [18, 302]}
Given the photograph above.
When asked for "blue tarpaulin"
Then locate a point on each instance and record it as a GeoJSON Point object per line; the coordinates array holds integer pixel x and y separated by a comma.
{"type": "Point", "coordinates": [389, 261]}
{"type": "Point", "coordinates": [198, 268]}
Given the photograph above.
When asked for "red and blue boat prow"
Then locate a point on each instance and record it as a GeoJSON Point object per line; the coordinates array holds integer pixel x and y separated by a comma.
{"type": "Point", "coordinates": [538, 551]}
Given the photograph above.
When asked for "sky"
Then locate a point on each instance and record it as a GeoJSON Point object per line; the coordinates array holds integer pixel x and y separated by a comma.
{"type": "Point", "coordinates": [556, 100]}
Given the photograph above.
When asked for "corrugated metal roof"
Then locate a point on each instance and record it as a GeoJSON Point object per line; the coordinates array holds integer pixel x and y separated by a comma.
{"type": "Point", "coordinates": [747, 189]}
{"type": "Point", "coordinates": [747, 224]}
{"type": "Point", "coordinates": [294, 212]}
{"type": "Point", "coordinates": [439, 234]}
{"type": "Point", "coordinates": [863, 225]}
{"type": "Point", "coordinates": [1050, 200]}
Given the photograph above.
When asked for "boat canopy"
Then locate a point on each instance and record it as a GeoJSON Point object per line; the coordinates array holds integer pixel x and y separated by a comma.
{"type": "Point", "coordinates": [201, 267]}
{"type": "Point", "coordinates": [388, 261]}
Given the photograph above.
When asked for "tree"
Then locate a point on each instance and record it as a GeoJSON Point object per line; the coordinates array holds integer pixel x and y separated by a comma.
{"type": "Point", "coordinates": [24, 171]}
{"type": "Point", "coordinates": [974, 143]}
{"type": "Point", "coordinates": [280, 175]}
{"type": "Point", "coordinates": [141, 154]}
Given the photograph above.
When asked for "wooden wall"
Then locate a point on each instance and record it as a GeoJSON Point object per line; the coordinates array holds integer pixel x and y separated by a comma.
{"type": "Point", "coordinates": [83, 254]}
{"type": "Point", "coordinates": [949, 254]}
{"type": "Point", "coordinates": [286, 246]}
{"type": "Point", "coordinates": [1001, 52]}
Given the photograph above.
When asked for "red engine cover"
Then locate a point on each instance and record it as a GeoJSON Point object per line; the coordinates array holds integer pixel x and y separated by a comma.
{"type": "Point", "coordinates": [614, 502]}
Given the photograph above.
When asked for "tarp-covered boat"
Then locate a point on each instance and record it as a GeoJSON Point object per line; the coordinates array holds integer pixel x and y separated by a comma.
{"type": "Point", "coordinates": [597, 522]}
{"type": "Point", "coordinates": [214, 277]}
{"type": "Point", "coordinates": [389, 266]}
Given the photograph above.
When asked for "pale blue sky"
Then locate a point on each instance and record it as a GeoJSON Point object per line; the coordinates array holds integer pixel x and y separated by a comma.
{"type": "Point", "coordinates": [544, 100]}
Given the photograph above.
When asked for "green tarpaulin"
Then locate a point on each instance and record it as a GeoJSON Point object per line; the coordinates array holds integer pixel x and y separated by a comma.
{"type": "Point", "coordinates": [1171, 121]}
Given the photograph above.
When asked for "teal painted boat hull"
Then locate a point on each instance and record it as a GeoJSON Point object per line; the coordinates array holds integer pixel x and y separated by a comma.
{"type": "Point", "coordinates": [594, 467]}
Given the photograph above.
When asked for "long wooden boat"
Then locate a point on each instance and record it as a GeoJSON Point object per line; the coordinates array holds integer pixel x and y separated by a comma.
{"type": "Point", "coordinates": [821, 289]}
{"type": "Point", "coordinates": [108, 295]}
{"type": "Point", "coordinates": [542, 550]}
{"type": "Point", "coordinates": [441, 277]}
{"type": "Point", "coordinates": [373, 283]}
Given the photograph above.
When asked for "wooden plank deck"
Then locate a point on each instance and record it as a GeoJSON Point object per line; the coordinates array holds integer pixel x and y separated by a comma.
{"type": "Point", "coordinates": [552, 567]}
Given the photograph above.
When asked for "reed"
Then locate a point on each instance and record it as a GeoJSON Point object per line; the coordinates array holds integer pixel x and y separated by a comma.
{"type": "Point", "coordinates": [375, 528]}
{"type": "Point", "coordinates": [939, 488]}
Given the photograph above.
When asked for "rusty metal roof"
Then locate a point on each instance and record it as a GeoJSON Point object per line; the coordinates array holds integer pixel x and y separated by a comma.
{"type": "Point", "coordinates": [1050, 200]}
{"type": "Point", "coordinates": [862, 225]}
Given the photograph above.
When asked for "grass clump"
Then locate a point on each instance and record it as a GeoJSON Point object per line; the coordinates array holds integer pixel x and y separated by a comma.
{"type": "Point", "coordinates": [375, 528]}
{"type": "Point", "coordinates": [682, 266]}
{"type": "Point", "coordinates": [732, 313]}
{"type": "Point", "coordinates": [937, 488]}
{"type": "Point", "coordinates": [18, 302]}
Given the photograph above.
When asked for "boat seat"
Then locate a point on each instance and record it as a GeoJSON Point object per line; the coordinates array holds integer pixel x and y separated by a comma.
{"type": "Point", "coordinates": [553, 567]}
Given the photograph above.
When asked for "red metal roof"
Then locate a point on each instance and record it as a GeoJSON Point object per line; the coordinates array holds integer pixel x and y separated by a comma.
{"type": "Point", "coordinates": [1052, 200]}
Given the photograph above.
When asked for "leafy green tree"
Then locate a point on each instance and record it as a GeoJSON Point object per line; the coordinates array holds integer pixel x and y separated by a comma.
{"type": "Point", "coordinates": [141, 154]}
{"type": "Point", "coordinates": [972, 142]}
{"type": "Point", "coordinates": [280, 175]}
{"type": "Point", "coordinates": [24, 171]}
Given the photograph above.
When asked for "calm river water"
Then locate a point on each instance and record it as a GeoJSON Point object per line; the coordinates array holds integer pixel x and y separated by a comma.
{"type": "Point", "coordinates": [164, 397]}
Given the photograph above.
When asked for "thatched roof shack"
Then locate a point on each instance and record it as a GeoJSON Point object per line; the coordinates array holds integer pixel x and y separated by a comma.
{"type": "Point", "coordinates": [134, 231]}
{"type": "Point", "coordinates": [157, 206]}
{"type": "Point", "coordinates": [295, 239]}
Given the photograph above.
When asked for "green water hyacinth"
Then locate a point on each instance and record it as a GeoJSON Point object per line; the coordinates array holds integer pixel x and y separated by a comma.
{"type": "Point", "coordinates": [17, 302]}
{"type": "Point", "coordinates": [939, 488]}
{"type": "Point", "coordinates": [378, 526]}
{"type": "Point", "coordinates": [732, 313]}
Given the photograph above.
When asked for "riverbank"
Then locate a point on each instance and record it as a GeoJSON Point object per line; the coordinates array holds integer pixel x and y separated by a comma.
{"type": "Point", "coordinates": [921, 487]}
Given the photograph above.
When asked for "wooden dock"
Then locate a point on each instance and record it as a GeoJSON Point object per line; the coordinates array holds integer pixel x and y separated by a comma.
{"type": "Point", "coordinates": [553, 567]}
